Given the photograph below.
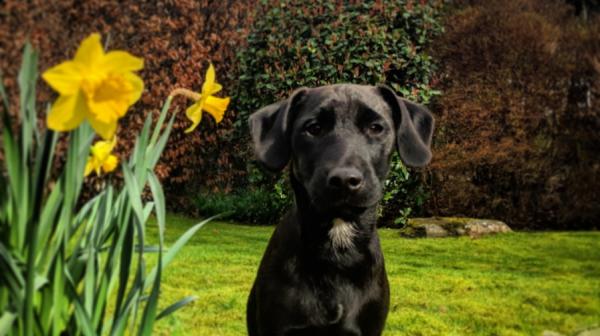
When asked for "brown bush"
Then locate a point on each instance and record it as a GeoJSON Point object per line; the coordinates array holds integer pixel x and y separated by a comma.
{"type": "Point", "coordinates": [176, 40]}
{"type": "Point", "coordinates": [519, 115]}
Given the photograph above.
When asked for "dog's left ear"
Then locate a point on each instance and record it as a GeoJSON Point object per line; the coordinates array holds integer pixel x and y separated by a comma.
{"type": "Point", "coordinates": [414, 128]}
{"type": "Point", "coordinates": [270, 127]}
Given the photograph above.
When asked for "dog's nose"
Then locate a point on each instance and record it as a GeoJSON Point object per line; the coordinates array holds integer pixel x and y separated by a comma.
{"type": "Point", "coordinates": [349, 179]}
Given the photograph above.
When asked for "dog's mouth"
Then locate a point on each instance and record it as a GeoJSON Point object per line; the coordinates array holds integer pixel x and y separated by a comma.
{"type": "Point", "coordinates": [344, 208]}
{"type": "Point", "coordinates": [342, 204]}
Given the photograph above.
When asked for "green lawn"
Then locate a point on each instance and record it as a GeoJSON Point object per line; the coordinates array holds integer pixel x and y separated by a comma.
{"type": "Point", "coordinates": [512, 284]}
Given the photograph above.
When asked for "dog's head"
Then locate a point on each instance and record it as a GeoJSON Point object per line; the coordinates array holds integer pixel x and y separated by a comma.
{"type": "Point", "coordinates": [340, 139]}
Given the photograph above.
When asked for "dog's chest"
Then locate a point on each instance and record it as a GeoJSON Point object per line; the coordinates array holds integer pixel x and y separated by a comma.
{"type": "Point", "coordinates": [341, 235]}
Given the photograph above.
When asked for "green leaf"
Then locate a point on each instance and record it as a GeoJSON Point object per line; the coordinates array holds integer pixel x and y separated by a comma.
{"type": "Point", "coordinates": [3, 94]}
{"type": "Point", "coordinates": [59, 301]}
{"type": "Point", "coordinates": [160, 145]}
{"type": "Point", "coordinates": [84, 323]}
{"type": "Point", "coordinates": [160, 122]}
{"type": "Point", "coordinates": [174, 249]}
{"type": "Point", "coordinates": [13, 280]}
{"type": "Point", "coordinates": [176, 306]}
{"type": "Point", "coordinates": [6, 321]}
{"type": "Point", "coordinates": [125, 268]}
{"type": "Point", "coordinates": [149, 315]}
{"type": "Point", "coordinates": [134, 192]}
{"type": "Point", "coordinates": [26, 80]}
{"type": "Point", "coordinates": [159, 200]}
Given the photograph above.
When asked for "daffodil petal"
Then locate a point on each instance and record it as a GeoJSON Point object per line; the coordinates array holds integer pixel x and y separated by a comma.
{"type": "Point", "coordinates": [194, 113]}
{"type": "Point", "coordinates": [214, 89]}
{"type": "Point", "coordinates": [121, 61]}
{"type": "Point", "coordinates": [63, 78]}
{"type": "Point", "coordinates": [67, 112]}
{"type": "Point", "coordinates": [90, 51]}
{"type": "Point", "coordinates": [101, 149]}
{"type": "Point", "coordinates": [110, 163]}
{"type": "Point", "coordinates": [89, 167]}
{"type": "Point", "coordinates": [209, 81]}
{"type": "Point", "coordinates": [216, 107]}
{"type": "Point", "coordinates": [137, 87]}
{"type": "Point", "coordinates": [194, 110]}
{"type": "Point", "coordinates": [105, 129]}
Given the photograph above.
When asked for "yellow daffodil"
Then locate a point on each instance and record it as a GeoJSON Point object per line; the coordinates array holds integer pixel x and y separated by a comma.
{"type": "Point", "coordinates": [94, 85]}
{"type": "Point", "coordinates": [205, 100]}
{"type": "Point", "coordinates": [101, 159]}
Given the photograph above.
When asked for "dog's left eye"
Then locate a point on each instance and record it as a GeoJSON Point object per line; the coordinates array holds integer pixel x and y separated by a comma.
{"type": "Point", "coordinates": [313, 129]}
{"type": "Point", "coordinates": [375, 128]}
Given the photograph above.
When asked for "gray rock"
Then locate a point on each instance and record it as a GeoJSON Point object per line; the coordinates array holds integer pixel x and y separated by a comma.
{"type": "Point", "coordinates": [551, 333]}
{"type": "Point", "coordinates": [481, 227]}
{"type": "Point", "coordinates": [439, 227]}
{"type": "Point", "coordinates": [435, 231]}
{"type": "Point", "coordinates": [590, 332]}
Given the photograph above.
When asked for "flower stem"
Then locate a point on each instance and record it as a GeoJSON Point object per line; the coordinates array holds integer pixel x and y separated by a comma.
{"type": "Point", "coordinates": [185, 92]}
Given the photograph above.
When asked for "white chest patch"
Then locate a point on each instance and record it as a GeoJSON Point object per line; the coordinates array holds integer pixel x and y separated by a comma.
{"type": "Point", "coordinates": [342, 234]}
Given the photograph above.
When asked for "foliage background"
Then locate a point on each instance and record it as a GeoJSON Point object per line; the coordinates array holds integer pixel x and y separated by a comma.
{"type": "Point", "coordinates": [519, 117]}
{"type": "Point", "coordinates": [176, 40]}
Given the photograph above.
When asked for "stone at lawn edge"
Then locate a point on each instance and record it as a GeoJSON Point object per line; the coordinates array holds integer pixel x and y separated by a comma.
{"type": "Point", "coordinates": [587, 332]}
{"type": "Point", "coordinates": [551, 333]}
{"type": "Point", "coordinates": [435, 231]}
{"type": "Point", "coordinates": [439, 227]}
{"type": "Point", "coordinates": [590, 332]}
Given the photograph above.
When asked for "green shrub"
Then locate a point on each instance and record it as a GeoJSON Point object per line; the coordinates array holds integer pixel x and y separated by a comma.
{"type": "Point", "coordinates": [257, 206]}
{"type": "Point", "coordinates": [312, 43]}
{"type": "Point", "coordinates": [403, 197]}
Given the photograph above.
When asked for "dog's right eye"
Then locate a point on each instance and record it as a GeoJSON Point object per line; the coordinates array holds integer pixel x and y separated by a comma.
{"type": "Point", "coordinates": [313, 129]}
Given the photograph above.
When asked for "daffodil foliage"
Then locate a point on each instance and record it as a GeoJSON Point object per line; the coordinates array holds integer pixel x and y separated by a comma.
{"type": "Point", "coordinates": [69, 267]}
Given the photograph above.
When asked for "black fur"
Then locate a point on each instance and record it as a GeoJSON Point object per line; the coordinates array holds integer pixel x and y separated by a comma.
{"type": "Point", "coordinates": [339, 139]}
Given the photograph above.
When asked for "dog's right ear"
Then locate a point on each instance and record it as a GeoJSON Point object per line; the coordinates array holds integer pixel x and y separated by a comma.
{"type": "Point", "coordinates": [270, 127]}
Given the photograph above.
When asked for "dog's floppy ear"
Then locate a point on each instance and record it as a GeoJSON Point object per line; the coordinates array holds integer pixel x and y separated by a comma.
{"type": "Point", "coordinates": [270, 127]}
{"type": "Point", "coordinates": [414, 128]}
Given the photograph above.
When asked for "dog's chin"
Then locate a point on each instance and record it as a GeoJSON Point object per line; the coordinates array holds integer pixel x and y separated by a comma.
{"type": "Point", "coordinates": [348, 212]}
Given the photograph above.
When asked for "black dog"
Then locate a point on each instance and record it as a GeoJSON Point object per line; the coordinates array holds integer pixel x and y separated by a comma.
{"type": "Point", "coordinates": [323, 271]}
